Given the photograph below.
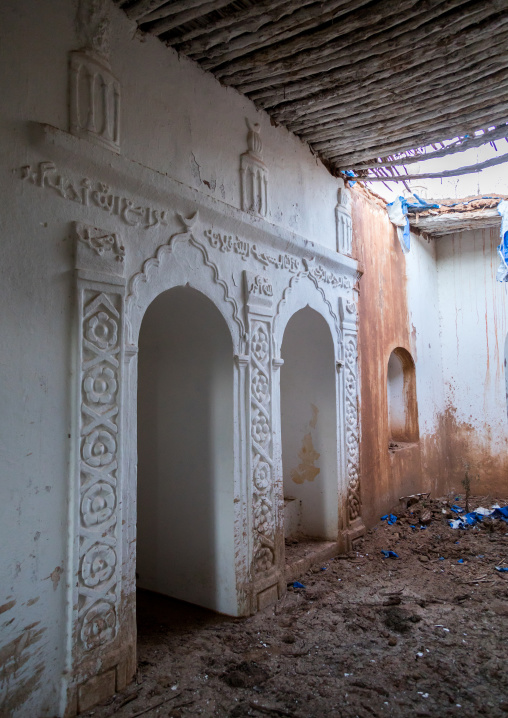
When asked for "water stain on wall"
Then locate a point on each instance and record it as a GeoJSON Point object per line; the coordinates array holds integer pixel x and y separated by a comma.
{"type": "Point", "coordinates": [13, 658]}
{"type": "Point", "coordinates": [306, 470]}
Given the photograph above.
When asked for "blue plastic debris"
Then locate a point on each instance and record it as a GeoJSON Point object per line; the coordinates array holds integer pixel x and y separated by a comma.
{"type": "Point", "coordinates": [324, 568]}
{"type": "Point", "coordinates": [398, 214]}
{"type": "Point", "coordinates": [441, 558]}
{"type": "Point", "coordinates": [389, 554]}
{"type": "Point", "coordinates": [460, 560]}
{"type": "Point", "coordinates": [389, 518]}
{"type": "Point", "coordinates": [502, 569]}
{"type": "Point", "coordinates": [413, 527]}
{"type": "Point", "coordinates": [457, 509]}
{"type": "Point", "coordinates": [297, 584]}
{"type": "Point", "coordinates": [473, 517]}
{"type": "Point", "coordinates": [502, 272]}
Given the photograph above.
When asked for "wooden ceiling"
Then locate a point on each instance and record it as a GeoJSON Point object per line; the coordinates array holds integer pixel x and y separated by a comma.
{"type": "Point", "coordinates": [366, 83]}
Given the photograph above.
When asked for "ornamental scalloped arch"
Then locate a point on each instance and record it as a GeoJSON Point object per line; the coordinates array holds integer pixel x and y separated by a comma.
{"type": "Point", "coordinates": [292, 301]}
{"type": "Point", "coordinates": [186, 256]}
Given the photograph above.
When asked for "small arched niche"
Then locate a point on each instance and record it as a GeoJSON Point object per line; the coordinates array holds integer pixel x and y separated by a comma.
{"type": "Point", "coordinates": [401, 396]}
{"type": "Point", "coordinates": [309, 429]}
{"type": "Point", "coordinates": [185, 521]}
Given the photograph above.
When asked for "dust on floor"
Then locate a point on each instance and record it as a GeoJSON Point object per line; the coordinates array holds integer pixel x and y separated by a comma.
{"type": "Point", "coordinates": [421, 635]}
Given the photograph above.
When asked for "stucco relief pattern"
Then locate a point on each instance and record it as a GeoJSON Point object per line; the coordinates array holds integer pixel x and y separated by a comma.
{"type": "Point", "coordinates": [99, 432]}
{"type": "Point", "coordinates": [352, 438]}
{"type": "Point", "coordinates": [262, 448]}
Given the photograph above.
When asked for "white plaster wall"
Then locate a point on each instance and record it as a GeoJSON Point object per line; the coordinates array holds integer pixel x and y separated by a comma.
{"type": "Point", "coordinates": [474, 329]}
{"type": "Point", "coordinates": [396, 398]}
{"type": "Point", "coordinates": [185, 452]}
{"type": "Point", "coordinates": [176, 120]}
{"type": "Point", "coordinates": [308, 410]}
{"type": "Point", "coordinates": [424, 318]}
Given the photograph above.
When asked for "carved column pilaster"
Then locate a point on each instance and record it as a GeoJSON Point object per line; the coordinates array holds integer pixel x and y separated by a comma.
{"type": "Point", "coordinates": [343, 222]}
{"type": "Point", "coordinates": [98, 467]}
{"type": "Point", "coordinates": [266, 547]}
{"type": "Point", "coordinates": [354, 525]}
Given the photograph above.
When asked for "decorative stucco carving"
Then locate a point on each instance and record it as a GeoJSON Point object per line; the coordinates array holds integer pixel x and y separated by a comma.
{"type": "Point", "coordinates": [352, 437]}
{"type": "Point", "coordinates": [343, 221]}
{"type": "Point", "coordinates": [98, 582]}
{"type": "Point", "coordinates": [262, 447]}
{"type": "Point", "coordinates": [94, 101]}
{"type": "Point", "coordinates": [254, 174]}
{"type": "Point", "coordinates": [90, 193]}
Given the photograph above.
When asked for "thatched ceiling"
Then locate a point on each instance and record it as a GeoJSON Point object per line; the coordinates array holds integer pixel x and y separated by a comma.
{"type": "Point", "coordinates": [359, 80]}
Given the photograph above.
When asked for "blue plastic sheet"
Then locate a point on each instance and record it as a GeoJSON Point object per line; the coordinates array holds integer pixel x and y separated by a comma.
{"type": "Point", "coordinates": [473, 517]}
{"type": "Point", "coordinates": [389, 554]}
{"type": "Point", "coordinates": [297, 584]}
{"type": "Point", "coordinates": [398, 214]}
{"type": "Point", "coordinates": [502, 272]}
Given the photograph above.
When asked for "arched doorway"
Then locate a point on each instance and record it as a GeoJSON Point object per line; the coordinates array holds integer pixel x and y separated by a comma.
{"type": "Point", "coordinates": [185, 544]}
{"type": "Point", "coordinates": [309, 429]}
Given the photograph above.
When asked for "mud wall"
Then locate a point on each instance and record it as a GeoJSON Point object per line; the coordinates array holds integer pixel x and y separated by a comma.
{"type": "Point", "coordinates": [474, 309]}
{"type": "Point", "coordinates": [398, 307]}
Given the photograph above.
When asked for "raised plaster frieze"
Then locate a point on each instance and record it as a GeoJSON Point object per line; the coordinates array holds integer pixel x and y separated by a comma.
{"type": "Point", "coordinates": [227, 243]}
{"type": "Point", "coordinates": [343, 221]}
{"type": "Point", "coordinates": [98, 564]}
{"type": "Point", "coordinates": [254, 174]}
{"type": "Point", "coordinates": [92, 193]}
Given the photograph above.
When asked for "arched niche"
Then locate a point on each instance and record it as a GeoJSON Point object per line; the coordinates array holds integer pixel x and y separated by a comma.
{"type": "Point", "coordinates": [185, 500]}
{"type": "Point", "coordinates": [309, 427]}
{"type": "Point", "coordinates": [401, 397]}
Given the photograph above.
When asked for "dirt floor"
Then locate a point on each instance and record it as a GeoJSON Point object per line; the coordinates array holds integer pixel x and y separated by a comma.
{"type": "Point", "coordinates": [421, 635]}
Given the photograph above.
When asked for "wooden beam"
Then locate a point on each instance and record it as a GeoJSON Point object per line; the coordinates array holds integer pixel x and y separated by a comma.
{"type": "Point", "coordinates": [357, 64]}
{"type": "Point", "coordinates": [470, 169]}
{"type": "Point", "coordinates": [461, 145]}
{"type": "Point", "coordinates": [310, 49]}
{"type": "Point", "coordinates": [305, 20]}
{"type": "Point", "coordinates": [199, 40]}
{"type": "Point", "coordinates": [418, 114]}
{"type": "Point", "coordinates": [199, 9]}
{"type": "Point", "coordinates": [475, 68]}
{"type": "Point", "coordinates": [439, 54]}
{"type": "Point", "coordinates": [378, 146]}
{"type": "Point", "coordinates": [143, 7]}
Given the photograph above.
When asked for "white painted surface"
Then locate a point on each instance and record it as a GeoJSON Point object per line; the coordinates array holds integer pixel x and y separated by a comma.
{"type": "Point", "coordinates": [185, 492]}
{"type": "Point", "coordinates": [474, 310]}
{"type": "Point", "coordinates": [396, 400]}
{"type": "Point", "coordinates": [309, 420]}
{"type": "Point", "coordinates": [425, 328]}
{"type": "Point", "coordinates": [182, 135]}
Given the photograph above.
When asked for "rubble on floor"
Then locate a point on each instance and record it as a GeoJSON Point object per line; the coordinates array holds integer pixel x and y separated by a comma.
{"type": "Point", "coordinates": [423, 634]}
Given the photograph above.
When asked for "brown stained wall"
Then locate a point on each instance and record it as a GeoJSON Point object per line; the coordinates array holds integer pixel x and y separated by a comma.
{"type": "Point", "coordinates": [383, 326]}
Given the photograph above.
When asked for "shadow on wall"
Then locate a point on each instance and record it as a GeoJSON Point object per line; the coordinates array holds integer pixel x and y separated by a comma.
{"type": "Point", "coordinates": [309, 428]}
{"type": "Point", "coordinates": [185, 452]}
{"type": "Point", "coordinates": [401, 397]}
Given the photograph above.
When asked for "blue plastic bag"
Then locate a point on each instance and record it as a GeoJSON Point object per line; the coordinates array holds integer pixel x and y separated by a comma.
{"type": "Point", "coordinates": [389, 554]}
{"type": "Point", "coordinates": [297, 584]}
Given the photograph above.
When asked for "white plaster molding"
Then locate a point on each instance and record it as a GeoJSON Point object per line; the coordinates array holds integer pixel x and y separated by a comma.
{"type": "Point", "coordinates": [254, 174]}
{"type": "Point", "coordinates": [343, 221]}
